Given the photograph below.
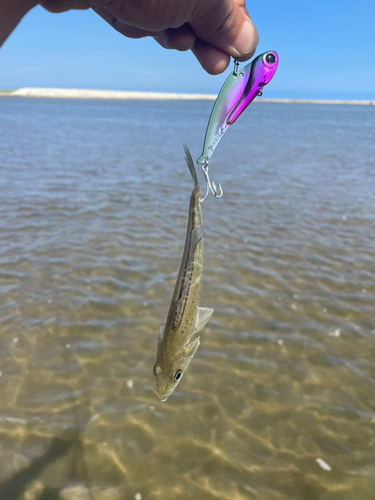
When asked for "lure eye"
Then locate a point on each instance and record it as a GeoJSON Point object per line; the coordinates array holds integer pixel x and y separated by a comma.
{"type": "Point", "coordinates": [270, 58]}
{"type": "Point", "coordinates": [177, 375]}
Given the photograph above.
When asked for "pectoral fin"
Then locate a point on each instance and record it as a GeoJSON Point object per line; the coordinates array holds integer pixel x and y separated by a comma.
{"type": "Point", "coordinates": [196, 235]}
{"type": "Point", "coordinates": [191, 348]}
{"type": "Point", "coordinates": [203, 315]}
{"type": "Point", "coordinates": [157, 368]}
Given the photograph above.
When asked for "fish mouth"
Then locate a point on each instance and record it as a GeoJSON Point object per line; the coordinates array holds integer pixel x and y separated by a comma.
{"type": "Point", "coordinates": [162, 397]}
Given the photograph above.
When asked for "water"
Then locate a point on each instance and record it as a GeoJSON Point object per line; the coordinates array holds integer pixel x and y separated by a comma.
{"type": "Point", "coordinates": [93, 207]}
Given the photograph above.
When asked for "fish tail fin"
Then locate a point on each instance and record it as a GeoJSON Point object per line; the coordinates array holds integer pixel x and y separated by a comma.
{"type": "Point", "coordinates": [190, 164]}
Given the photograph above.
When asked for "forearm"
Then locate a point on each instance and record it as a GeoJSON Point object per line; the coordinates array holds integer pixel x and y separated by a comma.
{"type": "Point", "coordinates": [11, 13]}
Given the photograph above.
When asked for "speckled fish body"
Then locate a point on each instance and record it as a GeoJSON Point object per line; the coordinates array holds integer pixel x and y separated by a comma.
{"type": "Point", "coordinates": [176, 346]}
{"type": "Point", "coordinates": [239, 90]}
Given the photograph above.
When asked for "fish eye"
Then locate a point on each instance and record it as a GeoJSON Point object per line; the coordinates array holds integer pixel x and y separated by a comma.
{"type": "Point", "coordinates": [177, 375]}
{"type": "Point", "coordinates": [270, 58]}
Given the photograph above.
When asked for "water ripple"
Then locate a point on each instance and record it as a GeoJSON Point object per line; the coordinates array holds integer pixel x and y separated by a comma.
{"type": "Point", "coordinates": [92, 224]}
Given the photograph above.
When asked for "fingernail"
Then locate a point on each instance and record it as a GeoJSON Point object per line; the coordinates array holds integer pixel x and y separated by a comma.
{"type": "Point", "coordinates": [246, 40]}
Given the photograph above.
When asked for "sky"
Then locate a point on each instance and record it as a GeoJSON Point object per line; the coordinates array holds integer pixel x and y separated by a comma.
{"type": "Point", "coordinates": [326, 50]}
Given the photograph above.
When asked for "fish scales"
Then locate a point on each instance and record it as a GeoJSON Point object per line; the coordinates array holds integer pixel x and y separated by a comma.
{"type": "Point", "coordinates": [191, 269]}
{"type": "Point", "coordinates": [187, 289]}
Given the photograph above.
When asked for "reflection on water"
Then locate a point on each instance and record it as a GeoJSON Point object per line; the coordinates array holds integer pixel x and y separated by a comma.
{"type": "Point", "coordinates": [93, 208]}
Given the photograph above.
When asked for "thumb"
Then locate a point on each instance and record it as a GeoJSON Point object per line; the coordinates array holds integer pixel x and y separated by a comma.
{"type": "Point", "coordinates": [226, 25]}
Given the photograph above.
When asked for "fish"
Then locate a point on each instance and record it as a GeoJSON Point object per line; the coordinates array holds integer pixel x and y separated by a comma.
{"type": "Point", "coordinates": [239, 90]}
{"type": "Point", "coordinates": [177, 341]}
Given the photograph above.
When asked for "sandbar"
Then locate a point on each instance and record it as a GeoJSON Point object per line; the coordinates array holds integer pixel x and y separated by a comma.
{"type": "Point", "coordinates": [56, 93]}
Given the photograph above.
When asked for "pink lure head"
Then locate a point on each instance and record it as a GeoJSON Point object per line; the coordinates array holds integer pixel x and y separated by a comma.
{"type": "Point", "coordinates": [262, 70]}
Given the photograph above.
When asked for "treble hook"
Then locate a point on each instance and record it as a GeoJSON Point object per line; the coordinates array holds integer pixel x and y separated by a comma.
{"type": "Point", "coordinates": [218, 193]}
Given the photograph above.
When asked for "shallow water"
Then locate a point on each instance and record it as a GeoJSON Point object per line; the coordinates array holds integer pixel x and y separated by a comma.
{"type": "Point", "coordinates": [93, 208]}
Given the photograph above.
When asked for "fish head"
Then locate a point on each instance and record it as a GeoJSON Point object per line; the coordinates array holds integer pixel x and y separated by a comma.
{"type": "Point", "coordinates": [168, 371]}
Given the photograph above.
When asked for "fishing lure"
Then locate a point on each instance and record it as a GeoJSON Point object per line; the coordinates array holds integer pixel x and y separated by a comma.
{"type": "Point", "coordinates": [239, 90]}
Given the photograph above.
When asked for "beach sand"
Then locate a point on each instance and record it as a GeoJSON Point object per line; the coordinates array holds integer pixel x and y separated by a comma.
{"type": "Point", "coordinates": [56, 93]}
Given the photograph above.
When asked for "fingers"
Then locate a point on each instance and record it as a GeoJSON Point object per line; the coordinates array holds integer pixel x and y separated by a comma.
{"type": "Point", "coordinates": [212, 60]}
{"type": "Point", "coordinates": [246, 42]}
{"type": "Point", "coordinates": [228, 27]}
{"type": "Point", "coordinates": [213, 29]}
{"type": "Point", "coordinates": [182, 38]}
{"type": "Point", "coordinates": [124, 29]}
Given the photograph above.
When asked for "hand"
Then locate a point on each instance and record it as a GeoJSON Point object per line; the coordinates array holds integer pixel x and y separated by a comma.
{"type": "Point", "coordinates": [213, 29]}
{"type": "Point", "coordinates": [11, 13]}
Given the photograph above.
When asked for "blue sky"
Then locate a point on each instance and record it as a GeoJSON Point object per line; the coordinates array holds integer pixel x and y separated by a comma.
{"type": "Point", "coordinates": [326, 49]}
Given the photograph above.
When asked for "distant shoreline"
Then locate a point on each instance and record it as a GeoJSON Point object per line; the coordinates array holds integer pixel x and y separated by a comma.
{"type": "Point", "coordinates": [52, 93]}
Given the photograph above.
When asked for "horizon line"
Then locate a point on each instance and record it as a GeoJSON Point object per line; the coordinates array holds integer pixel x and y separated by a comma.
{"type": "Point", "coordinates": [58, 93]}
